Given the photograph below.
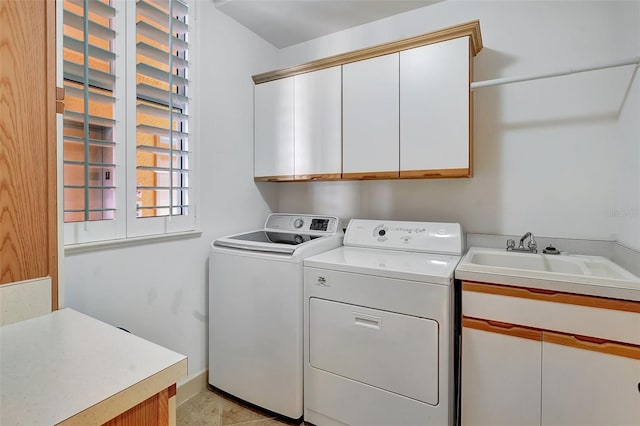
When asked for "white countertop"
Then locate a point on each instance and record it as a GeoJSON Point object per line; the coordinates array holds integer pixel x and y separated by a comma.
{"type": "Point", "coordinates": [64, 365]}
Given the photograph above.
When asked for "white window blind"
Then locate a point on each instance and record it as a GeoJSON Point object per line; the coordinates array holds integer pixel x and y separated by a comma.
{"type": "Point", "coordinates": [162, 157]}
{"type": "Point", "coordinates": [126, 137]}
{"type": "Point", "coordinates": [89, 124]}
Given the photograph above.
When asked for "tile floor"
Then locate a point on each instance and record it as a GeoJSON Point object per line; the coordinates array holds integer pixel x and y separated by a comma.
{"type": "Point", "coordinates": [209, 408]}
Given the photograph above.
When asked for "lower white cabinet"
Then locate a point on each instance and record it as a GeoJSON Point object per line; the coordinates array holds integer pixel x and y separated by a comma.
{"type": "Point", "coordinates": [589, 388]}
{"type": "Point", "coordinates": [519, 373]}
{"type": "Point", "coordinates": [501, 379]}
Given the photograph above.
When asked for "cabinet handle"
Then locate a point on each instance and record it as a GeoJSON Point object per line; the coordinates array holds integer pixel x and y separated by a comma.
{"type": "Point", "coordinates": [638, 387]}
{"type": "Point", "coordinates": [593, 344]}
{"type": "Point", "coordinates": [541, 291]}
{"type": "Point", "coordinates": [589, 339]}
{"type": "Point", "coordinates": [502, 328]}
{"type": "Point", "coordinates": [500, 324]}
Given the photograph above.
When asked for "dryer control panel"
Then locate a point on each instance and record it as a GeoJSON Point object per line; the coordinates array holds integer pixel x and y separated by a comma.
{"type": "Point", "coordinates": [427, 237]}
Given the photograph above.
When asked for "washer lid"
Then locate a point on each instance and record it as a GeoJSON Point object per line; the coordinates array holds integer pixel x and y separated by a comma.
{"type": "Point", "coordinates": [424, 267]}
{"type": "Point", "coordinates": [267, 241]}
{"type": "Point", "coordinates": [426, 237]}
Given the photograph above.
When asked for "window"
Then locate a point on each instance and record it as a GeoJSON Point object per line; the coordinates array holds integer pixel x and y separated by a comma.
{"type": "Point", "coordinates": [126, 122]}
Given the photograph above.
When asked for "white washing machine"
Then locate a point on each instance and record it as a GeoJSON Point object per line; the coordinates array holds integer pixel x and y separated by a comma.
{"type": "Point", "coordinates": [379, 326]}
{"type": "Point", "coordinates": [256, 312]}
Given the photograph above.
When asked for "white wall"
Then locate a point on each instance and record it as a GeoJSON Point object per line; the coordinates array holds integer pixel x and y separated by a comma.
{"type": "Point", "coordinates": [545, 151]}
{"type": "Point", "coordinates": [568, 128]}
{"type": "Point", "coordinates": [626, 211]}
{"type": "Point", "coordinates": [159, 291]}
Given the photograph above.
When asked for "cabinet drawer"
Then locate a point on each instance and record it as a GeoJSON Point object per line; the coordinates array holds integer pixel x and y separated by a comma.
{"type": "Point", "coordinates": [573, 314]}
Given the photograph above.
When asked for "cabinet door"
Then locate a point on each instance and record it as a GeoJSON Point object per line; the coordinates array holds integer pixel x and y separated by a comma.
{"type": "Point", "coordinates": [435, 110]}
{"type": "Point", "coordinates": [501, 370]}
{"type": "Point", "coordinates": [583, 386]}
{"type": "Point", "coordinates": [28, 170]}
{"type": "Point", "coordinates": [318, 124]}
{"type": "Point", "coordinates": [273, 129]}
{"type": "Point", "coordinates": [371, 123]}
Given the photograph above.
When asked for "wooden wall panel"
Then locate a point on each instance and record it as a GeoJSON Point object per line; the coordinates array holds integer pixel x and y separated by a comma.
{"type": "Point", "coordinates": [28, 211]}
{"type": "Point", "coordinates": [152, 412]}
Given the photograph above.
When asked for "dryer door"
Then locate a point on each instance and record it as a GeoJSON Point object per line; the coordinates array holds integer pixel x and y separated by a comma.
{"type": "Point", "coordinates": [394, 352]}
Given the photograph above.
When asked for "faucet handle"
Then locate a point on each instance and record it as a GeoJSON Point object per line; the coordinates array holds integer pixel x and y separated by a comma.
{"type": "Point", "coordinates": [533, 245]}
{"type": "Point", "coordinates": [510, 244]}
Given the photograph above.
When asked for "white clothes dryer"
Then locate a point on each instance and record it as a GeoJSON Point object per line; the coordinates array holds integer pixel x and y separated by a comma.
{"type": "Point", "coordinates": [255, 309]}
{"type": "Point", "coordinates": [378, 318]}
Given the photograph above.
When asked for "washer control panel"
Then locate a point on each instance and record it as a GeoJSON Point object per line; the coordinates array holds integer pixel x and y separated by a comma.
{"type": "Point", "coordinates": [428, 237]}
{"type": "Point", "coordinates": [320, 225]}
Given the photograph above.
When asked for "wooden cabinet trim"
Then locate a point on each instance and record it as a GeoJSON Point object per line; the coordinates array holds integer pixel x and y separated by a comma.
{"type": "Point", "coordinates": [470, 92]}
{"type": "Point", "coordinates": [323, 176]}
{"type": "Point", "coordinates": [502, 328]}
{"type": "Point", "coordinates": [288, 178]}
{"type": "Point", "coordinates": [553, 296]}
{"type": "Point", "coordinates": [153, 411]}
{"type": "Point", "coordinates": [572, 340]}
{"type": "Point", "coordinates": [435, 174]}
{"type": "Point", "coordinates": [593, 344]}
{"type": "Point", "coordinates": [470, 29]}
{"type": "Point", "coordinates": [52, 149]}
{"type": "Point", "coordinates": [370, 175]}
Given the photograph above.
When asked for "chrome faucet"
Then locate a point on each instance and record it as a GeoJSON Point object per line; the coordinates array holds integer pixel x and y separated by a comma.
{"type": "Point", "coordinates": [532, 245]}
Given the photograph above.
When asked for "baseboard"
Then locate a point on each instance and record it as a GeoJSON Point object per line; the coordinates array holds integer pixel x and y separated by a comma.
{"type": "Point", "coordinates": [191, 386]}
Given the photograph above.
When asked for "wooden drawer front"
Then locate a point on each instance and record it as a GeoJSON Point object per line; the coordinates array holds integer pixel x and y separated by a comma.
{"type": "Point", "coordinates": [484, 302]}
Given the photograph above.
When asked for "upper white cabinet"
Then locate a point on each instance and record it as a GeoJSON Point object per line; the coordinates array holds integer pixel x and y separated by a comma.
{"type": "Point", "coordinates": [435, 110]}
{"type": "Point", "coordinates": [397, 110]}
{"type": "Point", "coordinates": [370, 99]}
{"type": "Point", "coordinates": [318, 124]}
{"type": "Point", "coordinates": [274, 130]}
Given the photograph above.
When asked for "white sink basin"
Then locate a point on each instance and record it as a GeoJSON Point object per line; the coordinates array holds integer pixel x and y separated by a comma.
{"type": "Point", "coordinates": [537, 269]}
{"type": "Point", "coordinates": [562, 264]}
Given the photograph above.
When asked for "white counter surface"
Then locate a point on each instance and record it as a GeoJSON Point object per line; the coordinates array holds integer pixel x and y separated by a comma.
{"type": "Point", "coordinates": [68, 367]}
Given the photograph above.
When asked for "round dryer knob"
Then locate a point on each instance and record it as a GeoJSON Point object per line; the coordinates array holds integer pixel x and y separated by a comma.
{"type": "Point", "coordinates": [298, 223]}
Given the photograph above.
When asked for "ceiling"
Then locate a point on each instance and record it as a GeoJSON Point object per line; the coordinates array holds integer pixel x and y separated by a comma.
{"type": "Point", "coordinates": [287, 22]}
